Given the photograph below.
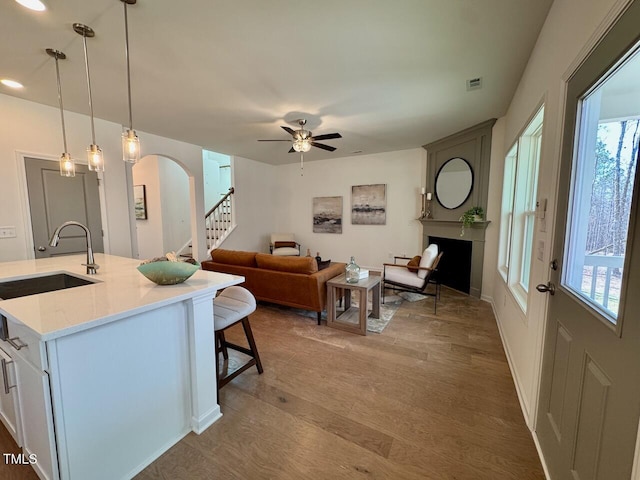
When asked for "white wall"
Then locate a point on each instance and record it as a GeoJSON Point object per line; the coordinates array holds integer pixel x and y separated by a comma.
{"type": "Point", "coordinates": [32, 128]}
{"type": "Point", "coordinates": [149, 231]}
{"type": "Point", "coordinates": [176, 206]}
{"type": "Point", "coordinates": [216, 179]}
{"type": "Point", "coordinates": [568, 27]}
{"type": "Point", "coordinates": [35, 129]}
{"type": "Point", "coordinates": [404, 172]}
{"type": "Point", "coordinates": [254, 204]}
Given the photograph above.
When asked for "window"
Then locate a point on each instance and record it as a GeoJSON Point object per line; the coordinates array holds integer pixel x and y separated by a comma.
{"type": "Point", "coordinates": [604, 170]}
{"type": "Point", "coordinates": [517, 222]}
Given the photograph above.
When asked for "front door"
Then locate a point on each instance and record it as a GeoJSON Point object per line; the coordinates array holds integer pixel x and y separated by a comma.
{"type": "Point", "coordinates": [589, 402]}
{"type": "Point", "coordinates": [54, 199]}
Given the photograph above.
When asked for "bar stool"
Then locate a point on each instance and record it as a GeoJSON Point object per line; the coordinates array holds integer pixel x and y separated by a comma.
{"type": "Point", "coordinates": [234, 305]}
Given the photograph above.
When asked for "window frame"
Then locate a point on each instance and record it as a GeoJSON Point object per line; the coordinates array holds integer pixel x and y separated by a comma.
{"type": "Point", "coordinates": [518, 214]}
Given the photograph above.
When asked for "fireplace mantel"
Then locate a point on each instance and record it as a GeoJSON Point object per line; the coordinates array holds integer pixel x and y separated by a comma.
{"type": "Point", "coordinates": [475, 234]}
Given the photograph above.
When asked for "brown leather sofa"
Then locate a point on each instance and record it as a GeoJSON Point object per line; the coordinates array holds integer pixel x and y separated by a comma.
{"type": "Point", "coordinates": [292, 281]}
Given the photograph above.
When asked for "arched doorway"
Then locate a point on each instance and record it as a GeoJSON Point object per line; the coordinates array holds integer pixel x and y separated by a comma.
{"type": "Point", "coordinates": [163, 207]}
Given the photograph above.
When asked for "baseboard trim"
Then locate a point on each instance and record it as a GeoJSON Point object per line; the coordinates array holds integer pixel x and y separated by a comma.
{"type": "Point", "coordinates": [153, 457]}
{"type": "Point", "coordinates": [199, 425]}
{"type": "Point", "coordinates": [516, 379]}
{"type": "Point", "coordinates": [517, 383]}
{"type": "Point", "coordinates": [547, 475]}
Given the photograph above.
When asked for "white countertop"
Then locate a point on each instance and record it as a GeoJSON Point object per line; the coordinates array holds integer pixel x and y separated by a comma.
{"type": "Point", "coordinates": [120, 291]}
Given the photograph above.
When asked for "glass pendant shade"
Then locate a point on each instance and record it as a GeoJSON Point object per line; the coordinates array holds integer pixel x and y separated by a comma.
{"type": "Point", "coordinates": [67, 166]}
{"type": "Point", "coordinates": [130, 141]}
{"type": "Point", "coordinates": [95, 160]}
{"type": "Point", "coordinates": [130, 146]}
{"type": "Point", "coordinates": [302, 145]}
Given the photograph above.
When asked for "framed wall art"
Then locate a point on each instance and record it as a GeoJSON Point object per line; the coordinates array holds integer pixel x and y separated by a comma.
{"type": "Point", "coordinates": [369, 204]}
{"type": "Point", "coordinates": [140, 201]}
{"type": "Point", "coordinates": [327, 214]}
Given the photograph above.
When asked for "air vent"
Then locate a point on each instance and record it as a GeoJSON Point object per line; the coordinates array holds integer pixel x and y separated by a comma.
{"type": "Point", "coordinates": [474, 84]}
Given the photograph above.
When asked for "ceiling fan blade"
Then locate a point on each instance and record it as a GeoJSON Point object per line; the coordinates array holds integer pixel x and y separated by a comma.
{"type": "Point", "coordinates": [289, 130]}
{"type": "Point", "coordinates": [327, 136]}
{"type": "Point", "coordinates": [323, 146]}
{"type": "Point", "coordinates": [274, 140]}
{"type": "Point", "coordinates": [291, 150]}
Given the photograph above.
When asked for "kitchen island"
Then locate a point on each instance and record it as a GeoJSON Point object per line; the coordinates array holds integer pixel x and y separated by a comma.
{"type": "Point", "coordinates": [107, 376]}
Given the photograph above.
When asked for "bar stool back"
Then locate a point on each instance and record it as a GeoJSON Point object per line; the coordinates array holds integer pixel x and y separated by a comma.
{"type": "Point", "coordinates": [234, 305]}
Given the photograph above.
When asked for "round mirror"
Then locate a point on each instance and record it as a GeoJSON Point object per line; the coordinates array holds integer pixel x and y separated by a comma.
{"type": "Point", "coordinates": [454, 183]}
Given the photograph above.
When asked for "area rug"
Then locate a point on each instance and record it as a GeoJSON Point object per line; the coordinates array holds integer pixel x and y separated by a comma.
{"type": "Point", "coordinates": [412, 297]}
{"type": "Point", "coordinates": [374, 325]}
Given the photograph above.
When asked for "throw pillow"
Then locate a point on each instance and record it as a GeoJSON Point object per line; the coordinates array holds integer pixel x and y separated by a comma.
{"type": "Point", "coordinates": [322, 264]}
{"type": "Point", "coordinates": [284, 244]}
{"type": "Point", "coordinates": [414, 262]}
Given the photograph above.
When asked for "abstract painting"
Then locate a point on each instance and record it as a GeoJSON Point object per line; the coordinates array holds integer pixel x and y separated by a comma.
{"type": "Point", "coordinates": [327, 214]}
{"type": "Point", "coordinates": [369, 204]}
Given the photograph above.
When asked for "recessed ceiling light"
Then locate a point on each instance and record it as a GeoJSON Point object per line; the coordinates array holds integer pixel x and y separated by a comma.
{"type": "Point", "coordinates": [36, 5]}
{"type": "Point", "coordinates": [11, 83]}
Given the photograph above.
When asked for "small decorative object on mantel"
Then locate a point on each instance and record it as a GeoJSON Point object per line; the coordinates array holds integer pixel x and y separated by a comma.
{"type": "Point", "coordinates": [474, 214]}
{"type": "Point", "coordinates": [168, 269]}
{"type": "Point", "coordinates": [352, 271]}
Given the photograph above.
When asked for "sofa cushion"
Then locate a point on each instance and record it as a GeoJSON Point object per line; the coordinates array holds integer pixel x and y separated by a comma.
{"type": "Point", "coordinates": [428, 257]}
{"type": "Point", "coordinates": [305, 265]}
{"type": "Point", "coordinates": [234, 257]}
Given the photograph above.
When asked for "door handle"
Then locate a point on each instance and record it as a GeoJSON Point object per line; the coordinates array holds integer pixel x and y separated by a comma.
{"type": "Point", "coordinates": [41, 249]}
{"type": "Point", "coordinates": [549, 288]}
{"type": "Point", "coordinates": [5, 376]}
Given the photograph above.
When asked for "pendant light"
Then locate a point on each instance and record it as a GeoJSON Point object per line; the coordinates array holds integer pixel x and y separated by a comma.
{"type": "Point", "coordinates": [67, 165]}
{"type": "Point", "coordinates": [130, 141]}
{"type": "Point", "coordinates": [95, 159]}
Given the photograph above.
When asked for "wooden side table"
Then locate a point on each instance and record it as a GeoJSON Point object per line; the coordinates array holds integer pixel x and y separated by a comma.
{"type": "Point", "coordinates": [347, 319]}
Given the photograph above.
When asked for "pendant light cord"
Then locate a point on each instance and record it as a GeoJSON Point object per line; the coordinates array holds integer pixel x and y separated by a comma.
{"type": "Point", "coordinates": [86, 63]}
{"type": "Point", "coordinates": [126, 54]}
{"type": "Point", "coordinates": [64, 132]}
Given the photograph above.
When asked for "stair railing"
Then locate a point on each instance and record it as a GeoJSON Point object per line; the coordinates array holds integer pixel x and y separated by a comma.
{"type": "Point", "coordinates": [218, 220]}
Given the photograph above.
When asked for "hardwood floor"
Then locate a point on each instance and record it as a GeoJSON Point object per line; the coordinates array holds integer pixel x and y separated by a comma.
{"type": "Point", "coordinates": [429, 398]}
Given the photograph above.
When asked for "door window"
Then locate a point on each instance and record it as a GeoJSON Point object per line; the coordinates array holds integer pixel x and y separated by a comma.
{"type": "Point", "coordinates": [604, 171]}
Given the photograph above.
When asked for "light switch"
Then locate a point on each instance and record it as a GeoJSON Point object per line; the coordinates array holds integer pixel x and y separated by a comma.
{"type": "Point", "coordinates": [7, 232]}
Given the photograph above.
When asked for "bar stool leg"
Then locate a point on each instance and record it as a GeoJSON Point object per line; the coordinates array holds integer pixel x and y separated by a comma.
{"type": "Point", "coordinates": [252, 344]}
{"type": "Point", "coordinates": [223, 346]}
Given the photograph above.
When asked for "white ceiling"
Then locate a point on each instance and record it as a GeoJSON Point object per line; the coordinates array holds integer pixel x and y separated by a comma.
{"type": "Point", "coordinates": [388, 75]}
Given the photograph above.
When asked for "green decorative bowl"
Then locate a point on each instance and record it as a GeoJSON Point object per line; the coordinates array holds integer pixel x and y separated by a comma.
{"type": "Point", "coordinates": [168, 273]}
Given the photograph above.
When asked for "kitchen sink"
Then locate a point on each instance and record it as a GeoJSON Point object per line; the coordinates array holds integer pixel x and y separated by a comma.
{"type": "Point", "coordinates": [35, 285]}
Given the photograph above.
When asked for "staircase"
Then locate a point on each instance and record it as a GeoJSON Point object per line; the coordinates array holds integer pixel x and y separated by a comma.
{"type": "Point", "coordinates": [218, 222]}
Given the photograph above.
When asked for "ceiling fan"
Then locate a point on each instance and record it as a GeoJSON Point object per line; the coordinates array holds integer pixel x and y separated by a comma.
{"type": "Point", "coordinates": [303, 139]}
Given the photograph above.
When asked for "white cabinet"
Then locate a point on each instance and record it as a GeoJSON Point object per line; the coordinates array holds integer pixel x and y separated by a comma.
{"type": "Point", "coordinates": [9, 406]}
{"type": "Point", "coordinates": [37, 420]}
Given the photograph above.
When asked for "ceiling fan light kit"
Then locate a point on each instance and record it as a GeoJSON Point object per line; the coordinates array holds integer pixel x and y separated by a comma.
{"type": "Point", "coordinates": [303, 140]}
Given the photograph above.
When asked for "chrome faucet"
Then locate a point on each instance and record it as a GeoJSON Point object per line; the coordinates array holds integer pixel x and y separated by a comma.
{"type": "Point", "coordinates": [91, 264]}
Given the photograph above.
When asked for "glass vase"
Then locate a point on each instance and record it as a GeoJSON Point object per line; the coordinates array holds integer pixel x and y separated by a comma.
{"type": "Point", "coordinates": [352, 271]}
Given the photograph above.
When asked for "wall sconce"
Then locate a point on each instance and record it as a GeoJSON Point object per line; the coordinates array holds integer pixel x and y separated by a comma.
{"type": "Point", "coordinates": [95, 159]}
{"type": "Point", "coordinates": [67, 165]}
{"type": "Point", "coordinates": [426, 204]}
{"type": "Point", "coordinates": [130, 141]}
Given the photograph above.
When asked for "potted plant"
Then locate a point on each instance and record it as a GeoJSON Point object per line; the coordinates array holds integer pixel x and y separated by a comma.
{"type": "Point", "coordinates": [474, 214]}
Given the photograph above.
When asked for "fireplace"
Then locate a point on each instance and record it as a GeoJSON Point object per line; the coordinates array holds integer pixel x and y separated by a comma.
{"type": "Point", "coordinates": [461, 263]}
{"type": "Point", "coordinates": [454, 269]}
